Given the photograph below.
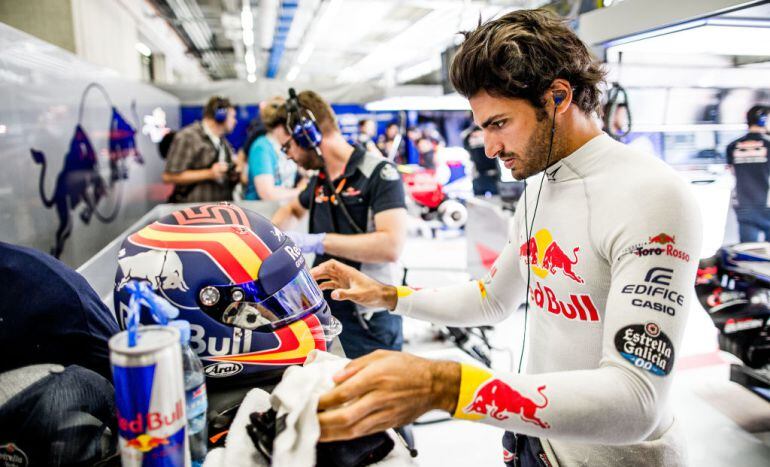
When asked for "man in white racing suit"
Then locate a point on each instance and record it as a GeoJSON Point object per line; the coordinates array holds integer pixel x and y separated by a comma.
{"type": "Point", "coordinates": [605, 247]}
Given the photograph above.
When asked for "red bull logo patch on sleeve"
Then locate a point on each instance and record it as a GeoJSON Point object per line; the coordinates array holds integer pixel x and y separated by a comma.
{"type": "Point", "coordinates": [483, 396]}
{"type": "Point", "coordinates": [546, 257]}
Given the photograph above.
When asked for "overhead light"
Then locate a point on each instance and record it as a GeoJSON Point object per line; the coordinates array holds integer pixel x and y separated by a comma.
{"type": "Point", "coordinates": [143, 49]}
{"type": "Point", "coordinates": [252, 78]}
{"type": "Point", "coordinates": [247, 23]}
{"type": "Point", "coordinates": [247, 19]}
{"type": "Point", "coordinates": [699, 38]}
{"type": "Point", "coordinates": [292, 75]}
{"type": "Point", "coordinates": [248, 37]}
{"type": "Point", "coordinates": [310, 42]}
{"type": "Point", "coordinates": [251, 63]}
{"type": "Point", "coordinates": [419, 69]}
{"type": "Point", "coordinates": [448, 102]}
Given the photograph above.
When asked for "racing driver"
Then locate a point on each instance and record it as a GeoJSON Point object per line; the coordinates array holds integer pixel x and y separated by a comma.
{"type": "Point", "coordinates": [603, 248]}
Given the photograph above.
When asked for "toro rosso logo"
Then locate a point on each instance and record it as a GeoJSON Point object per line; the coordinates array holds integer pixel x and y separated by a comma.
{"type": "Point", "coordinates": [498, 400]}
{"type": "Point", "coordinates": [545, 256]}
{"type": "Point", "coordinates": [657, 245]}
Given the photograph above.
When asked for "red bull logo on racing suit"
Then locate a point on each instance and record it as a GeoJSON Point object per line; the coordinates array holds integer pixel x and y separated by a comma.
{"type": "Point", "coordinates": [499, 401]}
{"type": "Point", "coordinates": [545, 256]}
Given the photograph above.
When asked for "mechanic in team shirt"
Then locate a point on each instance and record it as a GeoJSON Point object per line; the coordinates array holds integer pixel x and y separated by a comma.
{"type": "Point", "coordinates": [748, 158]}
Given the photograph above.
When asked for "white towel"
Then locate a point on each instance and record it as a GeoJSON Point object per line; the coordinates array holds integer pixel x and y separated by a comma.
{"type": "Point", "coordinates": [296, 397]}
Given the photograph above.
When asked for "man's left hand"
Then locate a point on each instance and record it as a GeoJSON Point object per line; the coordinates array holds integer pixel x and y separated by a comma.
{"type": "Point", "coordinates": [384, 390]}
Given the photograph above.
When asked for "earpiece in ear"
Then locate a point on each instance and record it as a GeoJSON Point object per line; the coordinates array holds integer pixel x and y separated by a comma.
{"type": "Point", "coordinates": [559, 96]}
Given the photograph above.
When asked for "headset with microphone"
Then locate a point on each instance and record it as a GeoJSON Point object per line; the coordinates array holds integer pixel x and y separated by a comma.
{"type": "Point", "coordinates": [303, 128]}
{"type": "Point", "coordinates": [558, 97]}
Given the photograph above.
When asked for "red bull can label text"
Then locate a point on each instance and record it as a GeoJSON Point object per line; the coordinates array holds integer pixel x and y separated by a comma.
{"type": "Point", "coordinates": [150, 398]}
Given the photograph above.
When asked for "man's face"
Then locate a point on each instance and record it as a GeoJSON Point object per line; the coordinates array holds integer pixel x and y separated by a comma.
{"type": "Point", "coordinates": [514, 131]}
{"type": "Point", "coordinates": [369, 128]}
{"type": "Point", "coordinates": [304, 158]}
{"type": "Point", "coordinates": [230, 121]}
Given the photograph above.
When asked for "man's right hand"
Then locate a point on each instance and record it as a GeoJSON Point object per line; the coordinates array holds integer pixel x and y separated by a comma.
{"type": "Point", "coordinates": [348, 283]}
{"type": "Point", "coordinates": [218, 171]}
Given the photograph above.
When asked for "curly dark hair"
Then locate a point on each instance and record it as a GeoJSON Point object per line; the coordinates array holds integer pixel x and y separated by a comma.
{"type": "Point", "coordinates": [519, 55]}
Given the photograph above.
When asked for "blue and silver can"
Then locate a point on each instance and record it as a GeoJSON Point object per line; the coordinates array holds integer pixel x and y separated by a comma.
{"type": "Point", "coordinates": [150, 398]}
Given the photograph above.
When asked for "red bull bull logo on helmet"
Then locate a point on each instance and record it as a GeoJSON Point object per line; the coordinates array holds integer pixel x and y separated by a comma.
{"type": "Point", "coordinates": [546, 257]}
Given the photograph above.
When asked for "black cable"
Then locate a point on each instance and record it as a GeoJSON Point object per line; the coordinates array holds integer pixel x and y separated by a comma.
{"type": "Point", "coordinates": [531, 227]}
{"type": "Point", "coordinates": [610, 108]}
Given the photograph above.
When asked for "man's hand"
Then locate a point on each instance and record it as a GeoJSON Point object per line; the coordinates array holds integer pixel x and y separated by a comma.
{"type": "Point", "coordinates": [383, 390]}
{"type": "Point", "coordinates": [350, 284]}
{"type": "Point", "coordinates": [218, 171]}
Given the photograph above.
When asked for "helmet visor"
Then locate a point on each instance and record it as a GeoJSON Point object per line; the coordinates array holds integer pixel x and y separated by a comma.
{"type": "Point", "coordinates": [298, 298]}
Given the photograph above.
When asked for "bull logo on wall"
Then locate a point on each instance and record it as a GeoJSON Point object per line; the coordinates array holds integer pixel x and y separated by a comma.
{"type": "Point", "coordinates": [82, 180]}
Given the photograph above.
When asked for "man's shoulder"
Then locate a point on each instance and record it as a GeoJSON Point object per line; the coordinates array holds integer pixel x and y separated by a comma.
{"type": "Point", "coordinates": [372, 162]}
{"type": "Point", "coordinates": [635, 178]}
{"type": "Point", "coordinates": [737, 140]}
{"type": "Point", "coordinates": [191, 131]}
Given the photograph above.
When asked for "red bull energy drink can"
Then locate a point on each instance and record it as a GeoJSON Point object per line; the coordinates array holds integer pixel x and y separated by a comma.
{"type": "Point", "coordinates": [150, 398]}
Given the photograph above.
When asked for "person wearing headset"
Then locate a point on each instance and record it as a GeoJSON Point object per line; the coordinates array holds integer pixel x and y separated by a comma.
{"type": "Point", "coordinates": [748, 159]}
{"type": "Point", "coordinates": [357, 215]}
{"type": "Point", "coordinates": [200, 161]}
{"type": "Point", "coordinates": [602, 251]}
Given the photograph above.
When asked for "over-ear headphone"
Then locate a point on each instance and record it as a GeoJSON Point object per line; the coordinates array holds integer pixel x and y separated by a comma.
{"type": "Point", "coordinates": [762, 120]}
{"type": "Point", "coordinates": [220, 111]}
{"type": "Point", "coordinates": [301, 124]}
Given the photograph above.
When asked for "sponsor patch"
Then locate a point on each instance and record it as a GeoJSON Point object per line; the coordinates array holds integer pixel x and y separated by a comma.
{"type": "Point", "coordinates": [498, 400]}
{"type": "Point", "coordinates": [646, 347]}
{"type": "Point", "coordinates": [546, 257]}
{"type": "Point", "coordinates": [223, 369]}
{"type": "Point", "coordinates": [576, 307]}
{"type": "Point", "coordinates": [12, 456]}
{"type": "Point", "coordinates": [660, 276]}
{"type": "Point", "coordinates": [654, 293]}
{"type": "Point", "coordinates": [661, 244]}
{"type": "Point", "coordinates": [389, 173]}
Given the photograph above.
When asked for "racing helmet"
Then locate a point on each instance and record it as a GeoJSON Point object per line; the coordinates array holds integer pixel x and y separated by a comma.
{"type": "Point", "coordinates": [239, 281]}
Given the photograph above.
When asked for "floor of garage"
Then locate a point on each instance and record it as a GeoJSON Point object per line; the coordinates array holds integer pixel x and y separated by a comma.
{"type": "Point", "coordinates": [725, 424]}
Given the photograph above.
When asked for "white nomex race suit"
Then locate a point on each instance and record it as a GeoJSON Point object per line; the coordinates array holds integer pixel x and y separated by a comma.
{"type": "Point", "coordinates": [612, 257]}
